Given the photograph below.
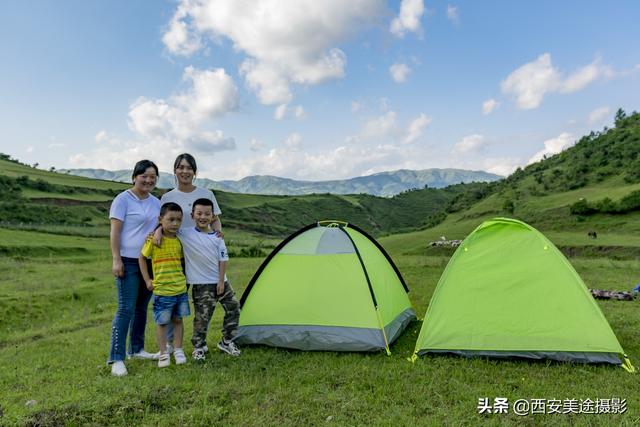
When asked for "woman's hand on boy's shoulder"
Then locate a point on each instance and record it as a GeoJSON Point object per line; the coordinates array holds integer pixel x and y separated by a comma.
{"type": "Point", "coordinates": [156, 236]}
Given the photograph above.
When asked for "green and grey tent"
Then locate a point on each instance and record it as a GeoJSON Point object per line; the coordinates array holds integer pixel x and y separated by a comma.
{"type": "Point", "coordinates": [329, 286]}
{"type": "Point", "coordinates": [509, 292]}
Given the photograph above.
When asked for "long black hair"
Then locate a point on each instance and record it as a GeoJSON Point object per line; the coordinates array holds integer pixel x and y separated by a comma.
{"type": "Point", "coordinates": [189, 158]}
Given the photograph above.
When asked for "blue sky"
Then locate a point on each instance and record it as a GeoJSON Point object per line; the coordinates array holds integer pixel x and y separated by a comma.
{"type": "Point", "coordinates": [311, 89]}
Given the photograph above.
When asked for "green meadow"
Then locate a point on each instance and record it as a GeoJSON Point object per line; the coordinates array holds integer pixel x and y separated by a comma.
{"type": "Point", "coordinates": [57, 300]}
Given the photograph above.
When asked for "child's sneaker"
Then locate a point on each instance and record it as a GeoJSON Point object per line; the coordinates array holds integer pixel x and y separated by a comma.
{"type": "Point", "coordinates": [229, 347]}
{"type": "Point", "coordinates": [118, 369]}
{"type": "Point", "coordinates": [144, 355]}
{"type": "Point", "coordinates": [198, 354]}
{"type": "Point", "coordinates": [164, 360]}
{"type": "Point", "coordinates": [178, 354]}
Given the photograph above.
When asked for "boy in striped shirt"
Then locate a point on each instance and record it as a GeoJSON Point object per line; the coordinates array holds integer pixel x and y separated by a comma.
{"type": "Point", "coordinates": [169, 285]}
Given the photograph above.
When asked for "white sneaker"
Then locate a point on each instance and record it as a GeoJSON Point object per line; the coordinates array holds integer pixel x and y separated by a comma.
{"type": "Point", "coordinates": [169, 347]}
{"type": "Point", "coordinates": [118, 369]}
{"type": "Point", "coordinates": [229, 347]}
{"type": "Point", "coordinates": [198, 354]}
{"type": "Point", "coordinates": [178, 354]}
{"type": "Point", "coordinates": [144, 355]}
{"type": "Point", "coordinates": [164, 360]}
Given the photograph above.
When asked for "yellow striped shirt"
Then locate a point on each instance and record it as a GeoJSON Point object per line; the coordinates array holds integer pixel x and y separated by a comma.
{"type": "Point", "coordinates": [168, 277]}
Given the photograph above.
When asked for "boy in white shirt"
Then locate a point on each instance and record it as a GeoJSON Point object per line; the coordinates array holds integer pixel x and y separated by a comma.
{"type": "Point", "coordinates": [206, 261]}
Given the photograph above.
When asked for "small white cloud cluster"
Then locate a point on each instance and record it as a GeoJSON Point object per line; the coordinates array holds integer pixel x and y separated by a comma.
{"type": "Point", "coordinates": [408, 19]}
{"type": "Point", "coordinates": [553, 146]}
{"type": "Point", "coordinates": [471, 144]}
{"type": "Point", "coordinates": [399, 72]}
{"type": "Point", "coordinates": [531, 82]}
{"type": "Point", "coordinates": [489, 106]}
{"type": "Point", "coordinates": [598, 115]}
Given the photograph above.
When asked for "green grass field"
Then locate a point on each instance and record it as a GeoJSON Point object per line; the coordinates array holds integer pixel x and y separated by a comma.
{"type": "Point", "coordinates": [55, 318]}
{"type": "Point", "coordinates": [15, 170]}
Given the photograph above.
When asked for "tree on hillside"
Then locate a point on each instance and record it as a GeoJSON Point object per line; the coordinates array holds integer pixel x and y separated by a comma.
{"type": "Point", "coordinates": [620, 116]}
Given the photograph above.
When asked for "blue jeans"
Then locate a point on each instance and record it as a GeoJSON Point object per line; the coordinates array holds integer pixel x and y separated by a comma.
{"type": "Point", "coordinates": [131, 317]}
{"type": "Point", "coordinates": [166, 308]}
{"type": "Point", "coordinates": [170, 325]}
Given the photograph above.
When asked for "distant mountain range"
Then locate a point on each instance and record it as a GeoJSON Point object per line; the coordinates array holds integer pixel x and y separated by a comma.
{"type": "Point", "coordinates": [385, 184]}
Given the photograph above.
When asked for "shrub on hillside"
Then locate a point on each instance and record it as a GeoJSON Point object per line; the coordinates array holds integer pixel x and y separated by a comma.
{"type": "Point", "coordinates": [582, 207]}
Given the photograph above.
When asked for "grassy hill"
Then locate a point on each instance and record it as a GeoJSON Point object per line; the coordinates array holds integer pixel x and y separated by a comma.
{"type": "Point", "coordinates": [67, 200]}
{"type": "Point", "coordinates": [592, 186]}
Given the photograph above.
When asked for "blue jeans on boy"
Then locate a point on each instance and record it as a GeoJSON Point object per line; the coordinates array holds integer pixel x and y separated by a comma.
{"type": "Point", "coordinates": [170, 325]}
{"type": "Point", "coordinates": [166, 308]}
{"type": "Point", "coordinates": [131, 317]}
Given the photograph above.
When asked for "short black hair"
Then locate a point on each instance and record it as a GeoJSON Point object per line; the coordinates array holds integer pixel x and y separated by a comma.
{"type": "Point", "coordinates": [169, 207]}
{"type": "Point", "coordinates": [201, 202]}
{"type": "Point", "coordinates": [142, 166]}
{"type": "Point", "coordinates": [189, 158]}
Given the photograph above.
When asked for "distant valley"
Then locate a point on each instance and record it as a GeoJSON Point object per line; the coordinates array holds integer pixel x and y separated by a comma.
{"type": "Point", "coordinates": [385, 184]}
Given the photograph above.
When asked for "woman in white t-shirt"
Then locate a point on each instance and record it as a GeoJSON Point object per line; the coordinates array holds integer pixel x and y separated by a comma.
{"type": "Point", "coordinates": [133, 214]}
{"type": "Point", "coordinates": [186, 193]}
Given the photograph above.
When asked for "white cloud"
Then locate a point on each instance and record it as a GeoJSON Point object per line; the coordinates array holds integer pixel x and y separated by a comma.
{"type": "Point", "coordinates": [531, 82]}
{"type": "Point", "coordinates": [489, 106]}
{"type": "Point", "coordinates": [471, 144]}
{"type": "Point", "coordinates": [380, 128]}
{"type": "Point", "coordinates": [256, 145]}
{"type": "Point", "coordinates": [280, 111]}
{"type": "Point", "coordinates": [30, 149]}
{"type": "Point", "coordinates": [553, 146]}
{"type": "Point", "coordinates": [355, 106]}
{"type": "Point", "coordinates": [285, 41]}
{"type": "Point", "coordinates": [167, 127]}
{"type": "Point", "coordinates": [501, 166]}
{"type": "Point", "coordinates": [299, 112]}
{"type": "Point", "coordinates": [408, 20]}
{"type": "Point", "coordinates": [599, 114]}
{"type": "Point", "coordinates": [101, 136]}
{"type": "Point", "coordinates": [293, 142]}
{"type": "Point", "coordinates": [211, 93]}
{"type": "Point", "coordinates": [452, 14]}
{"type": "Point", "coordinates": [210, 142]}
{"type": "Point", "coordinates": [416, 128]}
{"type": "Point", "coordinates": [584, 76]}
{"type": "Point", "coordinates": [399, 72]}
{"type": "Point", "coordinates": [179, 38]}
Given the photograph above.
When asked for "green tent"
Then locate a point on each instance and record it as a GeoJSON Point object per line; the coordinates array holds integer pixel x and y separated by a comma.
{"type": "Point", "coordinates": [509, 292]}
{"type": "Point", "coordinates": [329, 286]}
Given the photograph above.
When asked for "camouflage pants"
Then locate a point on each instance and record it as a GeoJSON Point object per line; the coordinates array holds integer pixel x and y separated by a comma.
{"type": "Point", "coordinates": [204, 302]}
